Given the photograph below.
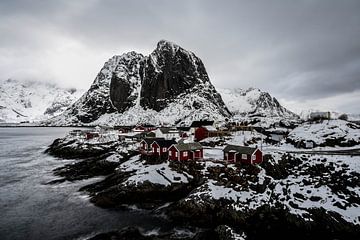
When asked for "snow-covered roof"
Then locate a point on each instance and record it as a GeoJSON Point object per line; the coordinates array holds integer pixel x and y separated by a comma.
{"type": "Point", "coordinates": [210, 128]}
{"type": "Point", "coordinates": [240, 149]}
{"type": "Point", "coordinates": [188, 146]}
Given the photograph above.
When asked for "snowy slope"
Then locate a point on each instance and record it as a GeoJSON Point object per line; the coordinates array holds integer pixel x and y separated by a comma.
{"type": "Point", "coordinates": [253, 102]}
{"type": "Point", "coordinates": [33, 101]}
{"type": "Point", "coordinates": [326, 133]}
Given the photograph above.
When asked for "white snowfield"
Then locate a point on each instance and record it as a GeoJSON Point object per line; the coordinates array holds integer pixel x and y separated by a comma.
{"type": "Point", "coordinates": [160, 174]}
{"type": "Point", "coordinates": [328, 129]}
{"type": "Point", "coordinates": [33, 101]}
{"type": "Point", "coordinates": [181, 110]}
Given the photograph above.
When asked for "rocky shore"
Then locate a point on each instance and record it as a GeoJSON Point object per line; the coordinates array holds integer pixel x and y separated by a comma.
{"type": "Point", "coordinates": [287, 196]}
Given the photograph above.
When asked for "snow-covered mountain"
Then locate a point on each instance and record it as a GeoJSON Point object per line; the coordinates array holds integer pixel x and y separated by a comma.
{"type": "Point", "coordinates": [170, 86]}
{"type": "Point", "coordinates": [253, 102]}
{"type": "Point", "coordinates": [29, 101]}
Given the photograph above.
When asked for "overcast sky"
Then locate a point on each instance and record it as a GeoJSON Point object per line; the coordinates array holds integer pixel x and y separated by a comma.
{"type": "Point", "coordinates": [306, 53]}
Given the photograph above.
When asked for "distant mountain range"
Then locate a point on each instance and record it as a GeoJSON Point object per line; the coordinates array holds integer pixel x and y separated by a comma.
{"type": "Point", "coordinates": [29, 101]}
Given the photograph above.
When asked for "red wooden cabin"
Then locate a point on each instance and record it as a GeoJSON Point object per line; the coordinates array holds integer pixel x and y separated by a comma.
{"type": "Point", "coordinates": [161, 147]}
{"type": "Point", "coordinates": [146, 145]}
{"type": "Point", "coordinates": [91, 135]}
{"type": "Point", "coordinates": [242, 154]}
{"type": "Point", "coordinates": [204, 132]}
{"type": "Point", "coordinates": [186, 151]}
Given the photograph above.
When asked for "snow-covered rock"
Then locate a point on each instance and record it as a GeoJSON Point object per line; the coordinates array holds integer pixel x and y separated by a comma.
{"type": "Point", "coordinates": [257, 108]}
{"type": "Point", "coordinates": [170, 86]}
{"type": "Point", "coordinates": [326, 133]}
{"type": "Point", "coordinates": [32, 101]}
{"type": "Point", "coordinates": [253, 102]}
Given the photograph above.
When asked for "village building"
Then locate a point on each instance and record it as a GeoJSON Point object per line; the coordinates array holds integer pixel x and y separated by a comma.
{"type": "Point", "coordinates": [161, 147]}
{"type": "Point", "coordinates": [91, 135]}
{"type": "Point", "coordinates": [145, 145]}
{"type": "Point", "coordinates": [242, 154]}
{"type": "Point", "coordinates": [144, 128]}
{"type": "Point", "coordinates": [123, 129]}
{"type": "Point", "coordinates": [167, 133]}
{"type": "Point", "coordinates": [184, 132]}
{"type": "Point", "coordinates": [138, 136]}
{"type": "Point", "coordinates": [186, 151]}
{"type": "Point", "coordinates": [316, 116]}
{"type": "Point", "coordinates": [205, 132]}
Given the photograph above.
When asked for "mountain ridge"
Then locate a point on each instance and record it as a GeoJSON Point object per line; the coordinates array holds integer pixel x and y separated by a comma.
{"type": "Point", "coordinates": [33, 101]}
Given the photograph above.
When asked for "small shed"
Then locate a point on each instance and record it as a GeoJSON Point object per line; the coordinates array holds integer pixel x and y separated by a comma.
{"type": "Point", "coordinates": [186, 151]}
{"type": "Point", "coordinates": [205, 132]}
{"type": "Point", "coordinates": [242, 154]}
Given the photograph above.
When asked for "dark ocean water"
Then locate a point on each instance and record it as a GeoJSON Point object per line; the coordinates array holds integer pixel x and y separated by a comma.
{"type": "Point", "coordinates": [32, 209]}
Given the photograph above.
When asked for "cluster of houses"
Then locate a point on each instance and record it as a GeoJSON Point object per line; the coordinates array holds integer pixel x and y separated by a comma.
{"type": "Point", "coordinates": [177, 143]}
{"type": "Point", "coordinates": [184, 151]}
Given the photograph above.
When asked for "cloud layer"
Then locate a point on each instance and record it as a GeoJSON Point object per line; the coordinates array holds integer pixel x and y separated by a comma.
{"type": "Point", "coordinates": [302, 51]}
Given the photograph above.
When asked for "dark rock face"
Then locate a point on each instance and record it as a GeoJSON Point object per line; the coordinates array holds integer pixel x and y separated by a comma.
{"type": "Point", "coordinates": [125, 82]}
{"type": "Point", "coordinates": [119, 93]}
{"type": "Point", "coordinates": [70, 148]}
{"type": "Point", "coordinates": [169, 71]}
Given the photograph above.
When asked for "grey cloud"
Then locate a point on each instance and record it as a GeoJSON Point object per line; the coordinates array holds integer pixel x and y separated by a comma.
{"type": "Point", "coordinates": [303, 49]}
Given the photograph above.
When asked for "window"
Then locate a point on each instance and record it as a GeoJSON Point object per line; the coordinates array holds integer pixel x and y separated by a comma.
{"type": "Point", "coordinates": [176, 154]}
{"type": "Point", "coordinates": [253, 157]}
{"type": "Point", "coordinates": [185, 154]}
{"type": "Point", "coordinates": [164, 149]}
{"type": "Point", "coordinates": [244, 156]}
{"type": "Point", "coordinates": [170, 153]}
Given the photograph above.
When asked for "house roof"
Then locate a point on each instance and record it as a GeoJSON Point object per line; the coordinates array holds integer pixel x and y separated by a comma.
{"type": "Point", "coordinates": [168, 130]}
{"type": "Point", "coordinates": [151, 140]}
{"type": "Point", "coordinates": [188, 146]}
{"type": "Point", "coordinates": [144, 135]}
{"type": "Point", "coordinates": [210, 128]}
{"type": "Point", "coordinates": [240, 149]}
{"type": "Point", "coordinates": [165, 143]}
{"type": "Point", "coordinates": [183, 128]}
{"type": "Point", "coordinates": [201, 123]}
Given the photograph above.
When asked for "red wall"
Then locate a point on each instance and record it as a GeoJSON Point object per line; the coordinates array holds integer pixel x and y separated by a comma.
{"type": "Point", "coordinates": [173, 151]}
{"type": "Point", "coordinates": [201, 133]}
{"type": "Point", "coordinates": [258, 158]}
{"type": "Point", "coordinates": [258, 155]}
{"type": "Point", "coordinates": [190, 155]}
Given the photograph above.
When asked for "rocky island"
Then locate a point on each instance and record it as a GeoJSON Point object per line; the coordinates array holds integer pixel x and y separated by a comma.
{"type": "Point", "coordinates": [148, 105]}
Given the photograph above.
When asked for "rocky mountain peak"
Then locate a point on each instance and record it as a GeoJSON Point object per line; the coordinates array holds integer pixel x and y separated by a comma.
{"type": "Point", "coordinates": [171, 79]}
{"type": "Point", "coordinates": [169, 71]}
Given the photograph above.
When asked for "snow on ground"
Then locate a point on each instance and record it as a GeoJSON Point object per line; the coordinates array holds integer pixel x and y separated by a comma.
{"type": "Point", "coordinates": [292, 191]}
{"type": "Point", "coordinates": [160, 174]}
{"type": "Point", "coordinates": [329, 129]}
{"type": "Point", "coordinates": [213, 153]}
{"type": "Point", "coordinates": [181, 109]}
{"type": "Point", "coordinates": [241, 137]}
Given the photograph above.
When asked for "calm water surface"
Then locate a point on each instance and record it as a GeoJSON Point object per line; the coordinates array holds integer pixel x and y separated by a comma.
{"type": "Point", "coordinates": [32, 209]}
